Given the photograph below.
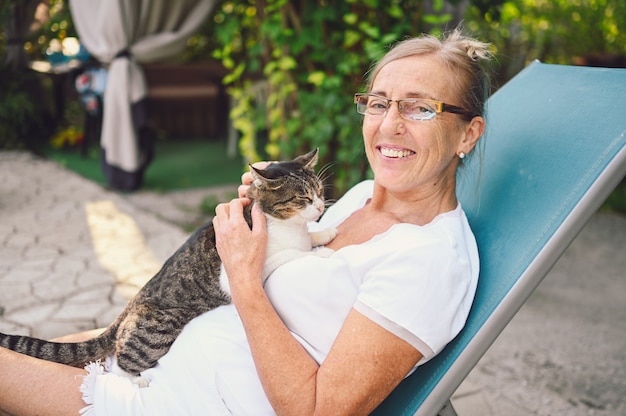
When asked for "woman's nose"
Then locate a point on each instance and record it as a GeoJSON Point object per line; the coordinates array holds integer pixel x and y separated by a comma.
{"type": "Point", "coordinates": [392, 122]}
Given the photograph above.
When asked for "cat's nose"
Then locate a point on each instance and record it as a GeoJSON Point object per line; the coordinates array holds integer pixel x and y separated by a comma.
{"type": "Point", "coordinates": [319, 205]}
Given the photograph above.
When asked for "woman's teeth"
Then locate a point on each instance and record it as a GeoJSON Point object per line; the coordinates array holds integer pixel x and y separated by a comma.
{"type": "Point", "coordinates": [395, 153]}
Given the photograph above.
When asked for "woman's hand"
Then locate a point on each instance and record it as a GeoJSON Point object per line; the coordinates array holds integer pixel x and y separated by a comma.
{"type": "Point", "coordinates": [241, 249]}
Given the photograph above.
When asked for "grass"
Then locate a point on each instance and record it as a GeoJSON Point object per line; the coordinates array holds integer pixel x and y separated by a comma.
{"type": "Point", "coordinates": [178, 164]}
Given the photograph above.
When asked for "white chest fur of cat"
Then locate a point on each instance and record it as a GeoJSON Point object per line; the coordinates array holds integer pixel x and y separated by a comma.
{"type": "Point", "coordinates": [289, 239]}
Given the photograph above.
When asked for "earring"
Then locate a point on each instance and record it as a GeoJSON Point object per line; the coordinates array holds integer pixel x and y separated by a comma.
{"type": "Point", "coordinates": [461, 155]}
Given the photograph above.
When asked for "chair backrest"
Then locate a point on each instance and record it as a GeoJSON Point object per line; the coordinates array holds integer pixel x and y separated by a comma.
{"type": "Point", "coordinates": [555, 149]}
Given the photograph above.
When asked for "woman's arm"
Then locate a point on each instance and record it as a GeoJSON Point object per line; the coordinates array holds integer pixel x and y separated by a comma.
{"type": "Point", "coordinates": [365, 363]}
{"type": "Point", "coordinates": [29, 386]}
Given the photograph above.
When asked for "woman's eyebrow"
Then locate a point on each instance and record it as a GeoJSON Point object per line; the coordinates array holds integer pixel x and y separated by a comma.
{"type": "Point", "coordinates": [413, 94]}
{"type": "Point", "coordinates": [417, 94]}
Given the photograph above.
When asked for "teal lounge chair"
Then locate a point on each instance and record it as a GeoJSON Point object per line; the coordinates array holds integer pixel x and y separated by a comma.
{"type": "Point", "coordinates": [555, 149]}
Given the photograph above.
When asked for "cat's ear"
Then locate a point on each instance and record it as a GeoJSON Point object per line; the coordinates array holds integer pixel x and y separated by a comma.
{"type": "Point", "coordinates": [260, 180]}
{"type": "Point", "coordinates": [308, 160]}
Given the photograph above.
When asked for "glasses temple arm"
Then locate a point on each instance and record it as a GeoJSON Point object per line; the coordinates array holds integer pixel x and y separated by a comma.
{"type": "Point", "coordinates": [457, 110]}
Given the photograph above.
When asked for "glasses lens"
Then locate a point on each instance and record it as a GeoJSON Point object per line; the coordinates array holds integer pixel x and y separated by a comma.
{"type": "Point", "coordinates": [361, 104]}
{"type": "Point", "coordinates": [417, 110]}
{"type": "Point", "coordinates": [370, 104]}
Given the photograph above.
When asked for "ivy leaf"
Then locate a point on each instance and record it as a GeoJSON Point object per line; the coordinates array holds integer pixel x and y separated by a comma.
{"type": "Point", "coordinates": [235, 74]}
{"type": "Point", "coordinates": [370, 30]}
{"type": "Point", "coordinates": [373, 50]}
{"type": "Point", "coordinates": [286, 63]}
{"type": "Point", "coordinates": [316, 78]}
{"type": "Point", "coordinates": [437, 20]}
{"type": "Point", "coordinates": [351, 38]}
{"type": "Point", "coordinates": [350, 18]}
{"type": "Point", "coordinates": [395, 11]}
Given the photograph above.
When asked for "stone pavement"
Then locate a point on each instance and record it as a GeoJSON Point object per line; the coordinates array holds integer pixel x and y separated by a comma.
{"type": "Point", "coordinates": [72, 253]}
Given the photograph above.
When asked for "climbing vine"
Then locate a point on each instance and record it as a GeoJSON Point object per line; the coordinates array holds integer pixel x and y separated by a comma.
{"type": "Point", "coordinates": [294, 66]}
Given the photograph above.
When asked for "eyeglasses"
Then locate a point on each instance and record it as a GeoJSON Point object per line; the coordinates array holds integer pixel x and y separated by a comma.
{"type": "Point", "coordinates": [417, 109]}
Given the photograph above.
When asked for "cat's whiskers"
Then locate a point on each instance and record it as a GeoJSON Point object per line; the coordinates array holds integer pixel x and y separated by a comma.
{"type": "Point", "coordinates": [324, 173]}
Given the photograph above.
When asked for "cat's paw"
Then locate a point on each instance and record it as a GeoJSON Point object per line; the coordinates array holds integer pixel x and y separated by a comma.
{"type": "Point", "coordinates": [141, 381]}
{"type": "Point", "coordinates": [138, 379]}
{"type": "Point", "coordinates": [321, 238]}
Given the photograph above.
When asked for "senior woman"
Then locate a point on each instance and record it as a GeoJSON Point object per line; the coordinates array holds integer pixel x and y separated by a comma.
{"type": "Point", "coordinates": [329, 335]}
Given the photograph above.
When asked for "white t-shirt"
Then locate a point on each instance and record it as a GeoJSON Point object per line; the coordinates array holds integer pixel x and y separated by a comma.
{"type": "Point", "coordinates": [418, 282]}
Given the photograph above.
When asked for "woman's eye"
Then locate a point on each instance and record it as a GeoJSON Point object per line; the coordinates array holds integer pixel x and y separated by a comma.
{"type": "Point", "coordinates": [418, 108]}
{"type": "Point", "coordinates": [378, 104]}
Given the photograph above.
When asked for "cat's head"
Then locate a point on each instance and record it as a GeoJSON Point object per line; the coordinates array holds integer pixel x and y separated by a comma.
{"type": "Point", "coordinates": [289, 189]}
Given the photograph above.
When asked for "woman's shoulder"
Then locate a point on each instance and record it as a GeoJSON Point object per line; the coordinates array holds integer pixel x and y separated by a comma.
{"type": "Point", "coordinates": [445, 227]}
{"type": "Point", "coordinates": [446, 241]}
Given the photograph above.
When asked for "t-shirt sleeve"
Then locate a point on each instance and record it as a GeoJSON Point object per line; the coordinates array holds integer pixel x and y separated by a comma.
{"type": "Point", "coordinates": [421, 292]}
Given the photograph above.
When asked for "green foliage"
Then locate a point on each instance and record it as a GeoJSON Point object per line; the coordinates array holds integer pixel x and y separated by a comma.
{"type": "Point", "coordinates": [294, 66]}
{"type": "Point", "coordinates": [21, 122]}
{"type": "Point", "coordinates": [553, 31]}
{"type": "Point", "coordinates": [25, 116]}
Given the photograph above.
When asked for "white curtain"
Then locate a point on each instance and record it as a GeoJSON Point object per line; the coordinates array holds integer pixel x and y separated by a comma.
{"type": "Point", "coordinates": [122, 34]}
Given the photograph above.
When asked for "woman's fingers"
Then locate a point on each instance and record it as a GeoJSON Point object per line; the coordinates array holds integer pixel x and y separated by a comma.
{"type": "Point", "coordinates": [258, 220]}
{"type": "Point", "coordinates": [241, 249]}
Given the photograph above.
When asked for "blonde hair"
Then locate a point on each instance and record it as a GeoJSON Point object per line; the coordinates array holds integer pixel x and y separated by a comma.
{"type": "Point", "coordinates": [464, 55]}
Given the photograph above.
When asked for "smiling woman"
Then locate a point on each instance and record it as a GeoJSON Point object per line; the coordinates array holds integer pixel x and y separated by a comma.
{"type": "Point", "coordinates": [333, 334]}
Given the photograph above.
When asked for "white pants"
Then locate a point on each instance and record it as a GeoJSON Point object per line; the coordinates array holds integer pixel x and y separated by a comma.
{"type": "Point", "coordinates": [208, 371]}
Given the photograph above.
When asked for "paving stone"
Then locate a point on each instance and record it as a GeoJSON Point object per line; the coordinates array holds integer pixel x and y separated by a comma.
{"type": "Point", "coordinates": [26, 272]}
{"type": "Point", "coordinates": [55, 286]}
{"type": "Point", "coordinates": [14, 328]}
{"type": "Point", "coordinates": [14, 296]}
{"type": "Point", "coordinates": [109, 315]}
{"type": "Point", "coordinates": [466, 403]}
{"type": "Point", "coordinates": [8, 257]}
{"type": "Point", "coordinates": [20, 240]}
{"type": "Point", "coordinates": [53, 329]}
{"type": "Point", "coordinates": [80, 311]}
{"type": "Point", "coordinates": [33, 315]}
{"type": "Point", "coordinates": [94, 294]}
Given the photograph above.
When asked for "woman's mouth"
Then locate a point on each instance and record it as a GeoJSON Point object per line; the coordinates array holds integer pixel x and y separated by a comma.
{"type": "Point", "coordinates": [395, 153]}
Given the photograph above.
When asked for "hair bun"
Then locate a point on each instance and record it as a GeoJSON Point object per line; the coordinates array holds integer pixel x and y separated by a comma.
{"type": "Point", "coordinates": [477, 50]}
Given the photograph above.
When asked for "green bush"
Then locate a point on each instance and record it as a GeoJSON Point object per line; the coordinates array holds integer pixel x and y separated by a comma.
{"type": "Point", "coordinates": [556, 31]}
{"type": "Point", "coordinates": [21, 116]}
{"type": "Point", "coordinates": [294, 66]}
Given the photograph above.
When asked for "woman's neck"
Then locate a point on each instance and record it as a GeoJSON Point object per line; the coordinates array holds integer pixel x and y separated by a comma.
{"type": "Point", "coordinates": [418, 208]}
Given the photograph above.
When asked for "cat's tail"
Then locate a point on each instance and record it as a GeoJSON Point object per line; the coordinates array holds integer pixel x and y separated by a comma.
{"type": "Point", "coordinates": [75, 354]}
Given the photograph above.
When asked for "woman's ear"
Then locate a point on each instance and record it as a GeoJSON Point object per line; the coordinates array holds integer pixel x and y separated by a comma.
{"type": "Point", "coordinates": [473, 132]}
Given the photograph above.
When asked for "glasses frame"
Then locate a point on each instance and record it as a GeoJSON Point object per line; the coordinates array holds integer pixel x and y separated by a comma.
{"type": "Point", "coordinates": [440, 107]}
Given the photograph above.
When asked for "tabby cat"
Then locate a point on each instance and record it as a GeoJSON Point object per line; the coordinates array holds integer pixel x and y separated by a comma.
{"type": "Point", "coordinates": [193, 281]}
